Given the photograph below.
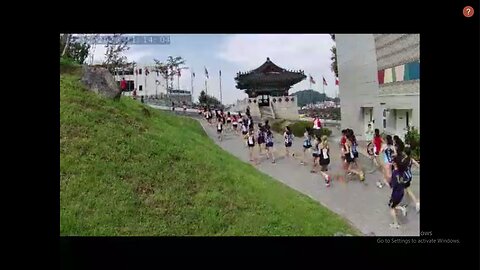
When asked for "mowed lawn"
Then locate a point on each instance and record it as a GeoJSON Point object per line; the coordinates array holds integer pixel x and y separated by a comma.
{"type": "Point", "coordinates": [124, 173]}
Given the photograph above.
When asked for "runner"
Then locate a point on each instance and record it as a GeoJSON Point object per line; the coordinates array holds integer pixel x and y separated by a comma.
{"type": "Point", "coordinates": [245, 132]}
{"type": "Point", "coordinates": [220, 130]}
{"type": "Point", "coordinates": [307, 143]}
{"type": "Point", "coordinates": [351, 155]}
{"type": "Point", "coordinates": [250, 122]}
{"type": "Point", "coordinates": [388, 154]}
{"type": "Point", "coordinates": [288, 137]}
{"type": "Point", "coordinates": [324, 159]}
{"type": "Point", "coordinates": [240, 119]}
{"type": "Point", "coordinates": [397, 184]}
{"type": "Point", "coordinates": [251, 146]}
{"type": "Point", "coordinates": [355, 151]}
{"type": "Point", "coordinates": [343, 152]}
{"type": "Point", "coordinates": [235, 124]}
{"type": "Point", "coordinates": [269, 144]}
{"type": "Point", "coordinates": [260, 137]}
{"type": "Point", "coordinates": [399, 145]}
{"type": "Point", "coordinates": [184, 108]}
{"type": "Point", "coordinates": [317, 125]}
{"type": "Point", "coordinates": [229, 121]}
{"type": "Point", "coordinates": [315, 153]}
{"type": "Point", "coordinates": [409, 176]}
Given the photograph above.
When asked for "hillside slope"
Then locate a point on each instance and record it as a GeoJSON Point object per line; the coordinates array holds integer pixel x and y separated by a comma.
{"type": "Point", "coordinates": [123, 172]}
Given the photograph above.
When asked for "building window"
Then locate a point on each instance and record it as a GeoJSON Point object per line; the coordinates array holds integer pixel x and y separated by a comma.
{"type": "Point", "coordinates": [140, 71]}
{"type": "Point", "coordinates": [140, 88]}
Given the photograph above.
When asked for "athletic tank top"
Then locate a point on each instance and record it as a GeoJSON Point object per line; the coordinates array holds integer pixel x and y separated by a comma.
{"type": "Point", "coordinates": [377, 144]}
{"type": "Point", "coordinates": [308, 139]}
{"type": "Point", "coordinates": [251, 140]}
{"type": "Point", "coordinates": [244, 128]}
{"type": "Point", "coordinates": [315, 147]}
{"type": "Point", "coordinates": [324, 153]}
{"type": "Point", "coordinates": [269, 138]}
{"type": "Point", "coordinates": [288, 137]}
{"type": "Point", "coordinates": [260, 134]}
{"type": "Point", "coordinates": [389, 153]}
{"type": "Point", "coordinates": [408, 172]}
{"type": "Point", "coordinates": [219, 126]}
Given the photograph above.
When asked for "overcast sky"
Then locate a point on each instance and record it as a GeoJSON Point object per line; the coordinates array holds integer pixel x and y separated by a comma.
{"type": "Point", "coordinates": [232, 53]}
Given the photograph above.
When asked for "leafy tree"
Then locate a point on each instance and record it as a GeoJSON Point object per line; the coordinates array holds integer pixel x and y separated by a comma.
{"type": "Point", "coordinates": [170, 68]}
{"type": "Point", "coordinates": [208, 100]}
{"type": "Point", "coordinates": [114, 57]}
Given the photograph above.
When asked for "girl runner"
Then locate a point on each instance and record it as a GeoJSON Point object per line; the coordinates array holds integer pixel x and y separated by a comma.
{"type": "Point", "coordinates": [307, 142]}
{"type": "Point", "coordinates": [343, 151]}
{"type": "Point", "coordinates": [245, 132]}
{"type": "Point", "coordinates": [269, 144]}
{"type": "Point", "coordinates": [397, 185]}
{"type": "Point", "coordinates": [251, 146]}
{"type": "Point", "coordinates": [408, 177]}
{"type": "Point", "coordinates": [351, 155]}
{"type": "Point", "coordinates": [399, 145]}
{"type": "Point", "coordinates": [354, 150]}
{"type": "Point", "coordinates": [377, 146]}
{"type": "Point", "coordinates": [324, 159]}
{"type": "Point", "coordinates": [234, 124]}
{"type": "Point", "coordinates": [388, 154]}
{"type": "Point", "coordinates": [315, 153]}
{"type": "Point", "coordinates": [240, 118]}
{"type": "Point", "coordinates": [260, 137]}
{"type": "Point", "coordinates": [229, 120]}
{"type": "Point", "coordinates": [288, 137]}
{"type": "Point", "coordinates": [219, 130]}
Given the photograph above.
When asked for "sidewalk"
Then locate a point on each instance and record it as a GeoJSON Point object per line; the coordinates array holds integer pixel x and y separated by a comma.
{"type": "Point", "coordinates": [363, 204]}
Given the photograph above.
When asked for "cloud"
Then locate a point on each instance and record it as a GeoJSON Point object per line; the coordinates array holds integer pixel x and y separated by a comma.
{"type": "Point", "coordinates": [308, 52]}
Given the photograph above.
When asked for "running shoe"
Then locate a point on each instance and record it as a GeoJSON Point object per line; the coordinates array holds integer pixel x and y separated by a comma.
{"type": "Point", "coordinates": [404, 210]}
{"type": "Point", "coordinates": [327, 182]}
{"type": "Point", "coordinates": [379, 185]}
{"type": "Point", "coordinates": [417, 207]}
{"type": "Point", "coordinates": [394, 226]}
{"type": "Point", "coordinates": [302, 163]}
{"type": "Point", "coordinates": [362, 177]}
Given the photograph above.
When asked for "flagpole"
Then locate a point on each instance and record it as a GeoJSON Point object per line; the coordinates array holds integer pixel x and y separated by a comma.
{"type": "Point", "coordinates": [191, 76]}
{"type": "Point", "coordinates": [221, 99]}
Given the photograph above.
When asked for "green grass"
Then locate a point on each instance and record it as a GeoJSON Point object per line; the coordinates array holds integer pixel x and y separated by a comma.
{"type": "Point", "coordinates": [123, 173]}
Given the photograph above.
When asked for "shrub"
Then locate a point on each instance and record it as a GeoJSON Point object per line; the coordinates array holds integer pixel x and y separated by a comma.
{"type": "Point", "coordinates": [412, 138]}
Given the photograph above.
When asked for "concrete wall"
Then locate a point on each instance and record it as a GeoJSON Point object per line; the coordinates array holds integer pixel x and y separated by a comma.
{"type": "Point", "coordinates": [285, 110]}
{"type": "Point", "coordinates": [357, 72]}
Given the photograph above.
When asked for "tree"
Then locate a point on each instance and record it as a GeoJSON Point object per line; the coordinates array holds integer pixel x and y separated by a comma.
{"type": "Point", "coordinates": [113, 57]}
{"type": "Point", "coordinates": [334, 66]}
{"type": "Point", "coordinates": [170, 68]}
{"type": "Point", "coordinates": [208, 100]}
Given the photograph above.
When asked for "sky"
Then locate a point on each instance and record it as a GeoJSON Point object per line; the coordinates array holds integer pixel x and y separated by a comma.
{"type": "Point", "coordinates": [232, 53]}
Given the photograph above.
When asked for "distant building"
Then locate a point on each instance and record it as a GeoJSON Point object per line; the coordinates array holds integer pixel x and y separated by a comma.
{"type": "Point", "coordinates": [149, 83]}
{"type": "Point", "coordinates": [379, 81]}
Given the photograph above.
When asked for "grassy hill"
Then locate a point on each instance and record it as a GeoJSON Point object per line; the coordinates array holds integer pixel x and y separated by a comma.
{"type": "Point", "coordinates": [123, 172]}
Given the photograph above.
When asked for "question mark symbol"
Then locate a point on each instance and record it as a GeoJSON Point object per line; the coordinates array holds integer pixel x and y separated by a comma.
{"type": "Point", "coordinates": [468, 11]}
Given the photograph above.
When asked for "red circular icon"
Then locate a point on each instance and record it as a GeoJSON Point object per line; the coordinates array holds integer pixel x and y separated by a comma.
{"type": "Point", "coordinates": [468, 11]}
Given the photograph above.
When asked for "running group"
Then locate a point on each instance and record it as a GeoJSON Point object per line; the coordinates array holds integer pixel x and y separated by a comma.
{"type": "Point", "coordinates": [392, 157]}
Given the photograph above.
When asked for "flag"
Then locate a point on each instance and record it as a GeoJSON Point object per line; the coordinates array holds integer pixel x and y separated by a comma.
{"type": "Point", "coordinates": [220, 73]}
{"type": "Point", "coordinates": [336, 81]}
{"type": "Point", "coordinates": [158, 73]}
{"type": "Point", "coordinates": [136, 71]}
{"type": "Point", "coordinates": [324, 81]}
{"type": "Point", "coordinates": [146, 71]}
{"type": "Point", "coordinates": [178, 73]}
{"type": "Point", "coordinates": [193, 74]}
{"type": "Point", "coordinates": [206, 72]}
{"type": "Point", "coordinates": [312, 80]}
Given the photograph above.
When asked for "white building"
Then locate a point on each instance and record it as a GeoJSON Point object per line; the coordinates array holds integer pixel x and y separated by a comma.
{"type": "Point", "coordinates": [379, 81]}
{"type": "Point", "coordinates": [149, 83]}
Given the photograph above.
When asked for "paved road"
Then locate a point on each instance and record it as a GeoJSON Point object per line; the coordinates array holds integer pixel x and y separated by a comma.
{"type": "Point", "coordinates": [364, 205]}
